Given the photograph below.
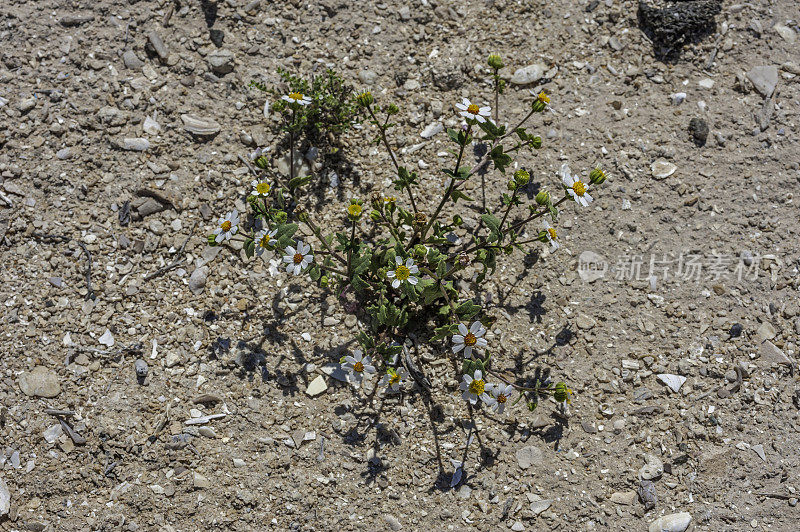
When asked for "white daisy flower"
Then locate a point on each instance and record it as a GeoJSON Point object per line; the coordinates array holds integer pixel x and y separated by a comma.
{"type": "Point", "coordinates": [550, 234]}
{"type": "Point", "coordinates": [360, 367]}
{"type": "Point", "coordinates": [403, 272]}
{"type": "Point", "coordinates": [500, 393]}
{"type": "Point", "coordinates": [473, 388]}
{"type": "Point", "coordinates": [471, 111]}
{"type": "Point", "coordinates": [297, 97]}
{"type": "Point", "coordinates": [298, 259]}
{"type": "Point", "coordinates": [265, 240]}
{"type": "Point", "coordinates": [260, 188]}
{"type": "Point", "coordinates": [227, 227]}
{"type": "Point", "coordinates": [394, 378]}
{"type": "Point", "coordinates": [469, 339]}
{"type": "Point", "coordinates": [575, 187]}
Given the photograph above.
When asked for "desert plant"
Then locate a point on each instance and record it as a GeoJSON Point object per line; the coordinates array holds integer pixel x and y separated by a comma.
{"type": "Point", "coordinates": [396, 260]}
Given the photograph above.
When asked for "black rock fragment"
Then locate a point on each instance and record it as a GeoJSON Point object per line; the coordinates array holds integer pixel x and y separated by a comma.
{"type": "Point", "coordinates": [672, 24]}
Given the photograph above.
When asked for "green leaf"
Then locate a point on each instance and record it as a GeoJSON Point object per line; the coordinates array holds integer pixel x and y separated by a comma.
{"type": "Point", "coordinates": [494, 226]}
{"type": "Point", "coordinates": [298, 182]}
{"type": "Point", "coordinates": [212, 240]}
{"type": "Point", "coordinates": [467, 309]}
{"type": "Point", "coordinates": [249, 247]}
{"type": "Point", "coordinates": [358, 283]}
{"type": "Point", "coordinates": [501, 160]}
{"type": "Point", "coordinates": [440, 333]}
{"type": "Point", "coordinates": [315, 272]}
{"type": "Point", "coordinates": [453, 134]}
{"type": "Point", "coordinates": [457, 195]}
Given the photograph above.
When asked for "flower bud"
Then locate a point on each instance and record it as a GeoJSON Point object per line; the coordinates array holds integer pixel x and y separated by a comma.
{"type": "Point", "coordinates": [365, 99]}
{"type": "Point", "coordinates": [597, 176]}
{"type": "Point", "coordinates": [512, 185]}
{"type": "Point", "coordinates": [543, 198]}
{"type": "Point", "coordinates": [420, 219]}
{"type": "Point", "coordinates": [536, 142]}
{"type": "Point", "coordinates": [521, 177]}
{"type": "Point", "coordinates": [281, 216]}
{"type": "Point", "coordinates": [540, 103]}
{"type": "Point", "coordinates": [457, 220]}
{"type": "Point", "coordinates": [561, 393]}
{"type": "Point", "coordinates": [463, 260]}
{"type": "Point", "coordinates": [420, 251]}
{"type": "Point", "coordinates": [262, 162]}
{"type": "Point", "coordinates": [495, 62]}
{"type": "Point", "coordinates": [392, 109]}
{"type": "Point", "coordinates": [376, 200]}
{"type": "Point", "coordinates": [303, 216]}
{"type": "Point", "coordinates": [542, 236]}
{"type": "Point", "coordinates": [375, 216]}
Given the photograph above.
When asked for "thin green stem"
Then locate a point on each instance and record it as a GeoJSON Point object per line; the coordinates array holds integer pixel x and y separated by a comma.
{"type": "Point", "coordinates": [318, 233]}
{"type": "Point", "coordinates": [382, 130]}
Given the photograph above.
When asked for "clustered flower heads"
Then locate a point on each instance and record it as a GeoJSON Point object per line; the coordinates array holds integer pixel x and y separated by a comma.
{"type": "Point", "coordinates": [393, 261]}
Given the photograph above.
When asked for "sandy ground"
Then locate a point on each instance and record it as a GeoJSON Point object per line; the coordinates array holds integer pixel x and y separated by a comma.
{"type": "Point", "coordinates": [693, 275]}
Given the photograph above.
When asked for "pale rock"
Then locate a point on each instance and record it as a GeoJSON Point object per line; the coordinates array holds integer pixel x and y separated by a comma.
{"type": "Point", "coordinates": [671, 523]}
{"type": "Point", "coordinates": [539, 506]}
{"type": "Point", "coordinates": [150, 126]}
{"type": "Point", "coordinates": [136, 144]}
{"type": "Point", "coordinates": [197, 281]}
{"type": "Point", "coordinates": [40, 382]}
{"type": "Point", "coordinates": [528, 74]}
{"type": "Point", "coordinates": [766, 331]}
{"type": "Point", "coordinates": [317, 386]}
{"type": "Point", "coordinates": [786, 33]}
{"type": "Point", "coordinates": [673, 382]}
{"type": "Point", "coordinates": [764, 79]}
{"type": "Point", "coordinates": [627, 498]}
{"type": "Point", "coordinates": [652, 469]}
{"type": "Point", "coordinates": [52, 433]}
{"type": "Point", "coordinates": [432, 129]}
{"type": "Point", "coordinates": [527, 456]}
{"type": "Point", "coordinates": [5, 498]}
{"type": "Point", "coordinates": [772, 355]}
{"type": "Point", "coordinates": [392, 521]}
{"type": "Point", "coordinates": [662, 169]}
{"type": "Point", "coordinates": [202, 127]}
{"type": "Point", "coordinates": [199, 481]}
{"type": "Point", "coordinates": [107, 339]}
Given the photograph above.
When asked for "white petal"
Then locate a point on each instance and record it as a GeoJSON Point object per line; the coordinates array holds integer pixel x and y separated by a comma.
{"type": "Point", "coordinates": [288, 259]}
{"type": "Point", "coordinates": [413, 280]}
{"type": "Point", "coordinates": [350, 360]}
{"type": "Point", "coordinates": [457, 347]}
{"type": "Point", "coordinates": [588, 197]}
{"type": "Point", "coordinates": [475, 327]}
{"type": "Point", "coordinates": [297, 270]}
{"type": "Point", "coordinates": [465, 396]}
{"type": "Point", "coordinates": [485, 110]}
{"type": "Point", "coordinates": [463, 386]}
{"type": "Point", "coordinates": [478, 375]}
{"type": "Point", "coordinates": [413, 269]}
{"type": "Point", "coordinates": [398, 260]}
{"type": "Point", "coordinates": [290, 251]}
{"type": "Point", "coordinates": [466, 102]}
{"type": "Point", "coordinates": [289, 267]}
{"type": "Point", "coordinates": [481, 342]}
{"type": "Point", "coordinates": [409, 262]}
{"type": "Point", "coordinates": [458, 339]}
{"type": "Point", "coordinates": [461, 106]}
{"type": "Point", "coordinates": [462, 329]}
{"type": "Point", "coordinates": [480, 119]}
{"type": "Point", "coordinates": [468, 352]}
{"type": "Point", "coordinates": [390, 274]}
{"type": "Point", "coordinates": [396, 283]}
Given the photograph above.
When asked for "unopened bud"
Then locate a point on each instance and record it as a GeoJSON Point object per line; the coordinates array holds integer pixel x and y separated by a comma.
{"type": "Point", "coordinates": [512, 185]}
{"type": "Point", "coordinates": [561, 393]}
{"type": "Point", "coordinates": [541, 102]}
{"type": "Point", "coordinates": [597, 176]}
{"type": "Point", "coordinates": [543, 198]}
{"type": "Point", "coordinates": [536, 142]}
{"type": "Point", "coordinates": [521, 177]}
{"type": "Point", "coordinates": [420, 251]}
{"type": "Point", "coordinates": [365, 99]}
{"type": "Point", "coordinates": [392, 109]}
{"type": "Point", "coordinates": [463, 260]}
{"type": "Point", "coordinates": [495, 62]}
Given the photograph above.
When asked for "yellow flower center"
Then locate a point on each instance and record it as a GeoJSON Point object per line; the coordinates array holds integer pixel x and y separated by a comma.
{"type": "Point", "coordinates": [476, 386]}
{"type": "Point", "coordinates": [390, 199]}
{"type": "Point", "coordinates": [226, 225]}
{"type": "Point", "coordinates": [579, 188]}
{"type": "Point", "coordinates": [502, 398]}
{"type": "Point", "coordinates": [262, 188]}
{"type": "Point", "coordinates": [543, 97]}
{"type": "Point", "coordinates": [358, 366]}
{"type": "Point", "coordinates": [473, 109]}
{"type": "Point", "coordinates": [394, 379]}
{"type": "Point", "coordinates": [402, 273]}
{"type": "Point", "coordinates": [470, 339]}
{"type": "Point", "coordinates": [264, 241]}
{"type": "Point", "coordinates": [296, 96]}
{"type": "Point", "coordinates": [298, 258]}
{"type": "Point", "coordinates": [354, 210]}
{"type": "Point", "coordinates": [552, 233]}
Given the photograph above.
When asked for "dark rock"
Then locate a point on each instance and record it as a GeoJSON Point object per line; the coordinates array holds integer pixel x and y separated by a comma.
{"type": "Point", "coordinates": [70, 21]}
{"type": "Point", "coordinates": [217, 36]}
{"type": "Point", "coordinates": [736, 330]}
{"type": "Point", "coordinates": [672, 24]}
{"type": "Point", "coordinates": [698, 129]}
